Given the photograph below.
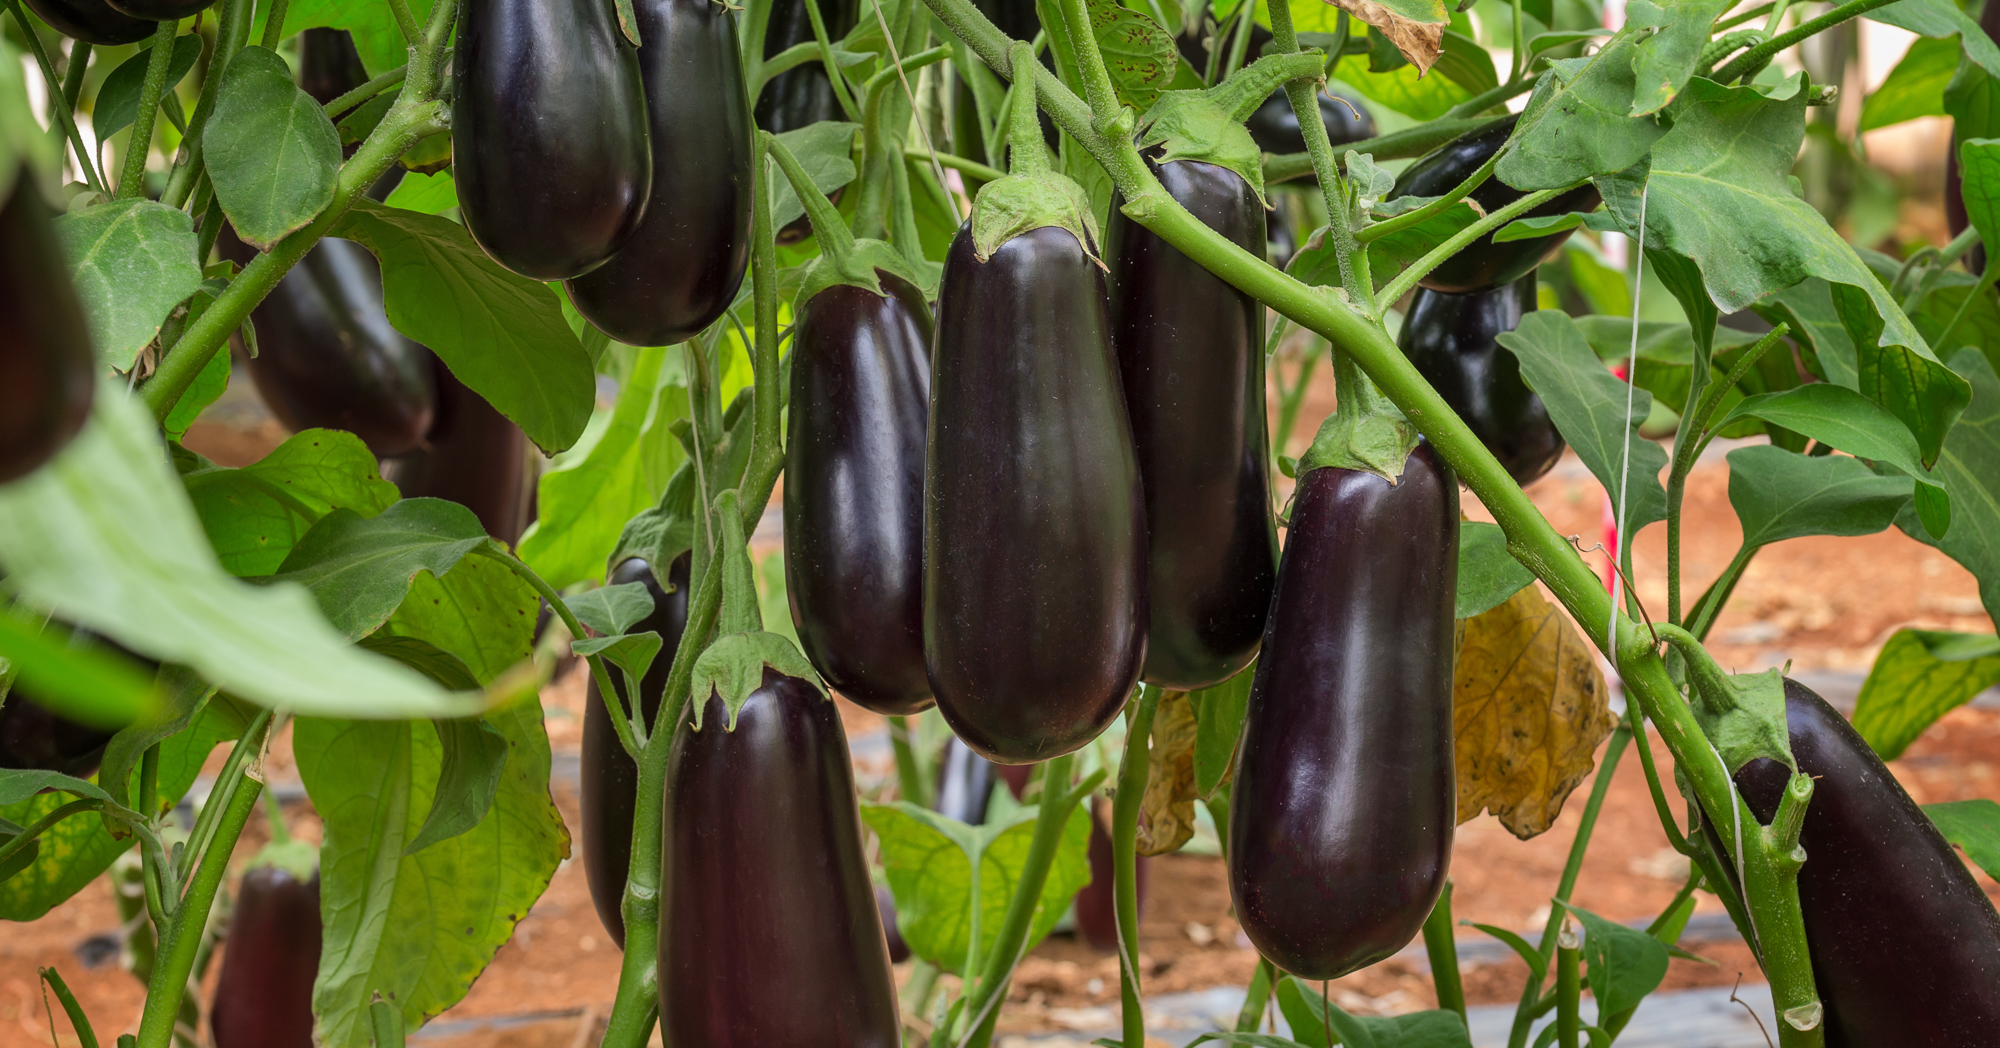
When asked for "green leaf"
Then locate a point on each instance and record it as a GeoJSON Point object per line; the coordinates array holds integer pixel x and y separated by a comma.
{"type": "Point", "coordinates": [1780, 495]}
{"type": "Point", "coordinates": [1138, 53]}
{"type": "Point", "coordinates": [271, 151]}
{"type": "Point", "coordinates": [359, 568]}
{"type": "Point", "coordinates": [373, 26]}
{"type": "Point", "coordinates": [733, 667]}
{"type": "Point", "coordinates": [67, 540]}
{"type": "Point", "coordinates": [472, 754]}
{"type": "Point", "coordinates": [185, 696]}
{"type": "Point", "coordinates": [611, 610]}
{"type": "Point", "coordinates": [1467, 64]}
{"type": "Point", "coordinates": [1915, 87]}
{"type": "Point", "coordinates": [501, 334]}
{"type": "Point", "coordinates": [1402, 90]}
{"type": "Point", "coordinates": [1218, 719]}
{"type": "Point", "coordinates": [132, 262]}
{"type": "Point", "coordinates": [1388, 255]}
{"type": "Point", "coordinates": [432, 661]}
{"type": "Point", "coordinates": [1970, 469]}
{"type": "Point", "coordinates": [1847, 421]}
{"type": "Point", "coordinates": [481, 614]}
{"type": "Point", "coordinates": [1625, 964]}
{"type": "Point", "coordinates": [616, 470]}
{"type": "Point", "coordinates": [825, 150]}
{"type": "Point", "coordinates": [117, 103]}
{"type": "Point", "coordinates": [419, 928]}
{"type": "Point", "coordinates": [18, 784]}
{"type": "Point", "coordinates": [1487, 573]}
{"type": "Point", "coordinates": [256, 514]}
{"type": "Point", "coordinates": [1972, 99]}
{"type": "Point", "coordinates": [1724, 200]}
{"type": "Point", "coordinates": [930, 862]}
{"type": "Point", "coordinates": [1665, 60]}
{"type": "Point", "coordinates": [83, 682]}
{"type": "Point", "coordinates": [430, 194]}
{"type": "Point", "coordinates": [1919, 676]}
{"type": "Point", "coordinates": [1973, 825]}
{"type": "Point", "coordinates": [1579, 123]}
{"type": "Point", "coordinates": [1942, 18]}
{"type": "Point", "coordinates": [1588, 405]}
{"type": "Point", "coordinates": [634, 653]}
{"type": "Point", "coordinates": [1307, 1012]}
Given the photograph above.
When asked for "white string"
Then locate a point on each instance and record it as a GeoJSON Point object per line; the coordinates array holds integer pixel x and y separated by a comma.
{"type": "Point", "coordinates": [1625, 449]}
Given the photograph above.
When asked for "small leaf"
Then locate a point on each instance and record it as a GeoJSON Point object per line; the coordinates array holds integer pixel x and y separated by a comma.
{"type": "Point", "coordinates": [825, 150]}
{"type": "Point", "coordinates": [1218, 713]}
{"type": "Point", "coordinates": [1487, 573]}
{"type": "Point", "coordinates": [271, 151]}
{"type": "Point", "coordinates": [132, 262]}
{"type": "Point", "coordinates": [430, 194]}
{"type": "Point", "coordinates": [733, 667]}
{"type": "Point", "coordinates": [1137, 52]}
{"type": "Point", "coordinates": [1666, 59]}
{"type": "Point", "coordinates": [1847, 421]}
{"type": "Point", "coordinates": [611, 610]}
{"type": "Point", "coordinates": [1919, 676]}
{"type": "Point", "coordinates": [1529, 709]}
{"type": "Point", "coordinates": [117, 103]}
{"type": "Point", "coordinates": [1779, 494]}
{"type": "Point", "coordinates": [632, 652]}
{"type": "Point", "coordinates": [1974, 826]}
{"type": "Point", "coordinates": [17, 785]}
{"type": "Point", "coordinates": [1166, 812]}
{"type": "Point", "coordinates": [1307, 1012]}
{"type": "Point", "coordinates": [360, 568]}
{"type": "Point", "coordinates": [474, 753]}
{"type": "Point", "coordinates": [1536, 962]}
{"type": "Point", "coordinates": [208, 385]}
{"type": "Point", "coordinates": [1624, 964]}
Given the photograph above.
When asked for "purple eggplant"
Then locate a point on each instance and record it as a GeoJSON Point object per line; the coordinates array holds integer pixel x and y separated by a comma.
{"type": "Point", "coordinates": [474, 457]}
{"type": "Point", "coordinates": [264, 996]}
{"type": "Point", "coordinates": [48, 370]}
{"type": "Point", "coordinates": [1452, 341]}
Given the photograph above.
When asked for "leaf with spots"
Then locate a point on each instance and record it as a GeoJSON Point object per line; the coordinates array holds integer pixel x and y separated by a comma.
{"type": "Point", "coordinates": [1166, 812]}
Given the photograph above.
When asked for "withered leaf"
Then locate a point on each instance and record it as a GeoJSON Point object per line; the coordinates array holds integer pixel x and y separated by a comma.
{"type": "Point", "coordinates": [1529, 711]}
{"type": "Point", "coordinates": [1166, 812]}
{"type": "Point", "coordinates": [1416, 27]}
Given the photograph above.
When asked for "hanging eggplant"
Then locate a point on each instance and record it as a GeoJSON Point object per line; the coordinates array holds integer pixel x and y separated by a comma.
{"type": "Point", "coordinates": [609, 777]}
{"type": "Point", "coordinates": [47, 366]}
{"type": "Point", "coordinates": [1342, 812]}
{"type": "Point", "coordinates": [802, 95]}
{"type": "Point", "coordinates": [264, 996]}
{"type": "Point", "coordinates": [92, 21]}
{"type": "Point", "coordinates": [682, 268]}
{"type": "Point", "coordinates": [1275, 127]}
{"type": "Point", "coordinates": [475, 457]}
{"type": "Point", "coordinates": [1452, 339]}
{"type": "Point", "coordinates": [549, 138]}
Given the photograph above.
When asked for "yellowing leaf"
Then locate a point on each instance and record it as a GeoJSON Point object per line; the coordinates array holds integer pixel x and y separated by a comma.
{"type": "Point", "coordinates": [1166, 813]}
{"type": "Point", "coordinates": [1529, 711]}
{"type": "Point", "coordinates": [1416, 27]}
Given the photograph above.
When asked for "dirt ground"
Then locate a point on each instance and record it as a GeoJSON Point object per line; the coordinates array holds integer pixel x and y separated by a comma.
{"type": "Point", "coordinates": [1824, 604]}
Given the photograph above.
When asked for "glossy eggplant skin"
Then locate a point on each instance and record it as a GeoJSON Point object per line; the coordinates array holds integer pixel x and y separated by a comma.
{"type": "Point", "coordinates": [1905, 945]}
{"type": "Point", "coordinates": [1034, 526]}
{"type": "Point", "coordinates": [680, 271]}
{"type": "Point", "coordinates": [473, 456]}
{"type": "Point", "coordinates": [269, 960]}
{"type": "Point", "coordinates": [329, 65]}
{"type": "Point", "coordinates": [610, 778]}
{"type": "Point", "coordinates": [47, 367]}
{"type": "Point", "coordinates": [1342, 815]}
{"type": "Point", "coordinates": [1452, 341]}
{"type": "Point", "coordinates": [769, 932]}
{"type": "Point", "coordinates": [92, 21]}
{"type": "Point", "coordinates": [802, 95]}
{"type": "Point", "coordinates": [854, 491]}
{"type": "Point", "coordinates": [1482, 264]}
{"type": "Point", "coordinates": [1191, 360]}
{"type": "Point", "coordinates": [549, 134]}
{"type": "Point", "coordinates": [161, 10]}
{"type": "Point", "coordinates": [965, 784]}
{"type": "Point", "coordinates": [1275, 128]}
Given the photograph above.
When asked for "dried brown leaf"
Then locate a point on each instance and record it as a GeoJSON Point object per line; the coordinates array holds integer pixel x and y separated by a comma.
{"type": "Point", "coordinates": [1166, 812]}
{"type": "Point", "coordinates": [1420, 40]}
{"type": "Point", "coordinates": [1529, 711]}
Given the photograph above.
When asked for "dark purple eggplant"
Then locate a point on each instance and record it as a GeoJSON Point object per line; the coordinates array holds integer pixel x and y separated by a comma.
{"type": "Point", "coordinates": [1905, 945]}
{"type": "Point", "coordinates": [1191, 356]}
{"type": "Point", "coordinates": [47, 367]}
{"type": "Point", "coordinates": [270, 958]}
{"type": "Point", "coordinates": [1452, 341]}
{"type": "Point", "coordinates": [550, 148]}
{"type": "Point", "coordinates": [92, 21]}
{"type": "Point", "coordinates": [161, 10]}
{"type": "Point", "coordinates": [475, 457]}
{"type": "Point", "coordinates": [802, 95]}
{"type": "Point", "coordinates": [1483, 264]}
{"type": "Point", "coordinates": [965, 784]}
{"type": "Point", "coordinates": [1341, 818]}
{"type": "Point", "coordinates": [680, 271]}
{"type": "Point", "coordinates": [1275, 128]}
{"type": "Point", "coordinates": [34, 738]}
{"type": "Point", "coordinates": [610, 778]}
{"type": "Point", "coordinates": [854, 488]}
{"type": "Point", "coordinates": [1034, 526]}
{"type": "Point", "coordinates": [769, 932]}
{"type": "Point", "coordinates": [1097, 902]}
{"type": "Point", "coordinates": [885, 905]}
{"type": "Point", "coordinates": [329, 65]}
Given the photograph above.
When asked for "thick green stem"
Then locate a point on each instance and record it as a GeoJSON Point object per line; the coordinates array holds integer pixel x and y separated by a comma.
{"type": "Point", "coordinates": [1303, 93]}
{"type": "Point", "coordinates": [340, 105]}
{"type": "Point", "coordinates": [1569, 988]}
{"type": "Point", "coordinates": [1407, 279]}
{"type": "Point", "coordinates": [767, 445]}
{"type": "Point", "coordinates": [132, 181]}
{"type": "Point", "coordinates": [835, 241]}
{"type": "Point", "coordinates": [73, 73]}
{"type": "Point", "coordinates": [1442, 948]}
{"type": "Point", "coordinates": [1754, 59]}
{"type": "Point", "coordinates": [1257, 997]}
{"type": "Point", "coordinates": [63, 113]}
{"type": "Point", "coordinates": [274, 25]}
{"type": "Point", "coordinates": [230, 35]}
{"type": "Point", "coordinates": [1125, 859]}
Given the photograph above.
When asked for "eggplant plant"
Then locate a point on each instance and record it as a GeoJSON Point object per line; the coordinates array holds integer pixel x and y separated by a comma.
{"type": "Point", "coordinates": [1005, 266]}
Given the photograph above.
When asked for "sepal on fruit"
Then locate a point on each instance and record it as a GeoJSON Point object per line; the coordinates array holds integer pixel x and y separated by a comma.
{"type": "Point", "coordinates": [733, 667]}
{"type": "Point", "coordinates": [1207, 125]}
{"type": "Point", "coordinates": [1033, 194]}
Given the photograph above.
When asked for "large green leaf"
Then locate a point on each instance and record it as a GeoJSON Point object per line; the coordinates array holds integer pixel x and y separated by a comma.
{"type": "Point", "coordinates": [1915, 87]}
{"type": "Point", "coordinates": [1919, 676]}
{"type": "Point", "coordinates": [132, 262]}
{"type": "Point", "coordinates": [1665, 60]}
{"type": "Point", "coordinates": [1942, 18]}
{"type": "Point", "coordinates": [1588, 405]}
{"type": "Point", "coordinates": [1719, 193]}
{"type": "Point", "coordinates": [1970, 469]}
{"type": "Point", "coordinates": [501, 334]}
{"type": "Point", "coordinates": [373, 26]}
{"type": "Point", "coordinates": [104, 534]}
{"type": "Point", "coordinates": [481, 614]}
{"type": "Point", "coordinates": [1847, 421]}
{"type": "Point", "coordinates": [256, 514]}
{"type": "Point", "coordinates": [418, 929]}
{"type": "Point", "coordinates": [1579, 121]}
{"type": "Point", "coordinates": [117, 103]}
{"type": "Point", "coordinates": [271, 151]}
{"type": "Point", "coordinates": [616, 471]}
{"type": "Point", "coordinates": [1780, 495]}
{"type": "Point", "coordinates": [1974, 826]}
{"type": "Point", "coordinates": [360, 568]}
{"type": "Point", "coordinates": [83, 682]}
{"type": "Point", "coordinates": [931, 861]}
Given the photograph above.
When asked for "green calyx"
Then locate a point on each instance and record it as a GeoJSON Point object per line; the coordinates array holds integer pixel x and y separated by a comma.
{"type": "Point", "coordinates": [1207, 125]}
{"type": "Point", "coordinates": [733, 667]}
{"type": "Point", "coordinates": [1743, 714]}
{"type": "Point", "coordinates": [1033, 194]}
{"type": "Point", "coordinates": [842, 258]}
{"type": "Point", "coordinates": [1365, 432]}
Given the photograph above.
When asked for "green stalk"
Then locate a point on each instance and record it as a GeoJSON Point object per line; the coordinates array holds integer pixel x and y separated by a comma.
{"type": "Point", "coordinates": [1754, 59]}
{"type": "Point", "coordinates": [1491, 97]}
{"type": "Point", "coordinates": [1132, 771]}
{"type": "Point", "coordinates": [1397, 145]}
{"type": "Point", "coordinates": [1519, 61]}
{"type": "Point", "coordinates": [957, 163]}
{"type": "Point", "coordinates": [1442, 948]}
{"type": "Point", "coordinates": [221, 799]}
{"type": "Point", "coordinates": [632, 737]}
{"type": "Point", "coordinates": [1304, 96]}
{"type": "Point", "coordinates": [63, 113]}
{"type": "Point", "coordinates": [274, 26]}
{"type": "Point", "coordinates": [910, 779]}
{"type": "Point", "coordinates": [230, 35]}
{"type": "Point", "coordinates": [1569, 988]}
{"type": "Point", "coordinates": [1692, 437]}
{"type": "Point", "coordinates": [73, 72]}
{"type": "Point", "coordinates": [1257, 997]}
{"type": "Point", "coordinates": [1748, 16]}
{"type": "Point", "coordinates": [1407, 279]}
{"type": "Point", "coordinates": [833, 72]}
{"type": "Point", "coordinates": [340, 105]}
{"type": "Point", "coordinates": [132, 181]}
{"type": "Point", "coordinates": [405, 21]}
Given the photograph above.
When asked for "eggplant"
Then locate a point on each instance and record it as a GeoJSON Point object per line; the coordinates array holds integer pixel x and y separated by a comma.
{"type": "Point", "coordinates": [769, 932]}
{"type": "Point", "coordinates": [610, 778]}
{"type": "Point", "coordinates": [1275, 128]}
{"type": "Point", "coordinates": [965, 784]}
{"type": "Point", "coordinates": [549, 134]}
{"type": "Point", "coordinates": [35, 738]}
{"type": "Point", "coordinates": [47, 367]}
{"type": "Point", "coordinates": [802, 95]}
{"type": "Point", "coordinates": [1452, 339]}
{"type": "Point", "coordinates": [1905, 945]}
{"type": "Point", "coordinates": [270, 958]}
{"type": "Point", "coordinates": [1191, 359]}
{"type": "Point", "coordinates": [161, 10]}
{"type": "Point", "coordinates": [885, 906]}
{"type": "Point", "coordinates": [1483, 264]}
{"type": "Point", "coordinates": [473, 456]}
{"type": "Point", "coordinates": [1097, 902]}
{"type": "Point", "coordinates": [854, 488]}
{"type": "Point", "coordinates": [1034, 527]}
{"type": "Point", "coordinates": [681, 269]}
{"type": "Point", "coordinates": [329, 65]}
{"type": "Point", "coordinates": [92, 21]}
{"type": "Point", "coordinates": [1341, 818]}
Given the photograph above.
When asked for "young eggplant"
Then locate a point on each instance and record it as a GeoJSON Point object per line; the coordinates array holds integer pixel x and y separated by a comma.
{"type": "Point", "coordinates": [681, 269]}
{"type": "Point", "coordinates": [1034, 525]}
{"type": "Point", "coordinates": [548, 132]}
{"type": "Point", "coordinates": [1905, 945]}
{"type": "Point", "coordinates": [47, 367]}
{"type": "Point", "coordinates": [264, 996]}
{"type": "Point", "coordinates": [1342, 814]}
{"type": "Point", "coordinates": [1191, 359]}
{"type": "Point", "coordinates": [769, 931]}
{"type": "Point", "coordinates": [1483, 264]}
{"type": "Point", "coordinates": [802, 95]}
{"type": "Point", "coordinates": [1452, 341]}
{"type": "Point", "coordinates": [92, 21]}
{"type": "Point", "coordinates": [475, 457]}
{"type": "Point", "coordinates": [610, 778]}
